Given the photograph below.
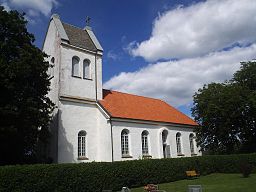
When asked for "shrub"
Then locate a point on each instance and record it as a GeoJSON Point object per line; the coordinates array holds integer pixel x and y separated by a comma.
{"type": "Point", "coordinates": [246, 169]}
{"type": "Point", "coordinates": [94, 177]}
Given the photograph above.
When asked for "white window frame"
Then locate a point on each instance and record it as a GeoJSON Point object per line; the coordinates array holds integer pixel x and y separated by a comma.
{"type": "Point", "coordinates": [125, 142]}
{"type": "Point", "coordinates": [81, 148]}
{"type": "Point", "coordinates": [145, 143]}
{"type": "Point", "coordinates": [73, 66]}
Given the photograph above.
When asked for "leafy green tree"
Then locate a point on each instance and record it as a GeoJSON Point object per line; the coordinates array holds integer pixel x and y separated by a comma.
{"type": "Point", "coordinates": [25, 110]}
{"type": "Point", "coordinates": [226, 113]}
{"type": "Point", "coordinates": [246, 78]}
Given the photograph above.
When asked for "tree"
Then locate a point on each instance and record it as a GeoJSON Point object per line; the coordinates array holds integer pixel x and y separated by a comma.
{"type": "Point", "coordinates": [226, 113]}
{"type": "Point", "coordinates": [246, 78]}
{"type": "Point", "coordinates": [25, 110]}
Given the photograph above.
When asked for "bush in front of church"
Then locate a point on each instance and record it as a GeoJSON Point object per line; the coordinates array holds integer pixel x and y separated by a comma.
{"type": "Point", "coordinates": [93, 177]}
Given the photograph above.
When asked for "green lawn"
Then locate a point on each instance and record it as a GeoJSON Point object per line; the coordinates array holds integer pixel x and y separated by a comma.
{"type": "Point", "coordinates": [217, 182]}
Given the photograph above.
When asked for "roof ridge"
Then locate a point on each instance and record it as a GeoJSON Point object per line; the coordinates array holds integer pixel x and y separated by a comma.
{"type": "Point", "coordinates": [136, 95]}
{"type": "Point", "coordinates": [72, 25]}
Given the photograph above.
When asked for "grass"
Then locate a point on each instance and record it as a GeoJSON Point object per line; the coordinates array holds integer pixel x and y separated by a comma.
{"type": "Point", "coordinates": [217, 182]}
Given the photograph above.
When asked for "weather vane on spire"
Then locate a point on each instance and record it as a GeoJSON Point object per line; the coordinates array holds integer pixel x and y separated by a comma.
{"type": "Point", "coordinates": [87, 21]}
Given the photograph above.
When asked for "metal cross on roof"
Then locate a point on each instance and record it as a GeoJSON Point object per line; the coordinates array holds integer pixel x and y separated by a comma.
{"type": "Point", "coordinates": [87, 21]}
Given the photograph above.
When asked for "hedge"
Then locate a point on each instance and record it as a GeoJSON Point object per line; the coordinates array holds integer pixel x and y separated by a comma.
{"type": "Point", "coordinates": [93, 177]}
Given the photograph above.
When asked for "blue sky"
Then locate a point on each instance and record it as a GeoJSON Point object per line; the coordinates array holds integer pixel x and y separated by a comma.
{"type": "Point", "coordinates": [166, 49]}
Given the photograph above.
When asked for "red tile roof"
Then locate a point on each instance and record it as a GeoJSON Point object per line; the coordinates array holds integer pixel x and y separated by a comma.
{"type": "Point", "coordinates": [123, 105]}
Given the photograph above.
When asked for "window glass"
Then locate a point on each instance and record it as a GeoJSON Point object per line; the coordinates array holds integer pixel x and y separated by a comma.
{"type": "Point", "coordinates": [178, 142]}
{"type": "Point", "coordinates": [144, 140]}
{"type": "Point", "coordinates": [125, 142]}
{"type": "Point", "coordinates": [191, 142]}
{"type": "Point", "coordinates": [75, 66]}
{"type": "Point", "coordinates": [86, 69]}
{"type": "Point", "coordinates": [82, 144]}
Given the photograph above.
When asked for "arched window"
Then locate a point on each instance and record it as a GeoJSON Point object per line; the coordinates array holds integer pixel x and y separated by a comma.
{"type": "Point", "coordinates": [86, 69]}
{"type": "Point", "coordinates": [81, 144]}
{"type": "Point", "coordinates": [144, 141]}
{"type": "Point", "coordinates": [166, 147]}
{"type": "Point", "coordinates": [125, 142]}
{"type": "Point", "coordinates": [178, 142]}
{"type": "Point", "coordinates": [75, 66]}
{"type": "Point", "coordinates": [164, 136]}
{"type": "Point", "coordinates": [191, 142]}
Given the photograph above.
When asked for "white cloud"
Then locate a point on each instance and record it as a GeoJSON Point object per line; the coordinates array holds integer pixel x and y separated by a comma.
{"type": "Point", "coordinates": [33, 8]}
{"type": "Point", "coordinates": [199, 29]}
{"type": "Point", "coordinates": [5, 5]}
{"type": "Point", "coordinates": [176, 81]}
{"type": "Point", "coordinates": [112, 55]}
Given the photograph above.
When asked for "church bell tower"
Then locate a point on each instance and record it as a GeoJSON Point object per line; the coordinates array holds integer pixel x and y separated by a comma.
{"type": "Point", "coordinates": [78, 60]}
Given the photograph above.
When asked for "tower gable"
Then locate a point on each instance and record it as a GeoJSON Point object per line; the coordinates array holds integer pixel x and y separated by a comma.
{"type": "Point", "coordinates": [80, 61]}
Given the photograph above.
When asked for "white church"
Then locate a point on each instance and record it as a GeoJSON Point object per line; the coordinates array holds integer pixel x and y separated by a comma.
{"type": "Point", "coordinates": [94, 124]}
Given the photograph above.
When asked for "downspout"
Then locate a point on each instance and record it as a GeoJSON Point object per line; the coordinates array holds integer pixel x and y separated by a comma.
{"type": "Point", "coordinates": [112, 148]}
{"type": "Point", "coordinates": [96, 77]}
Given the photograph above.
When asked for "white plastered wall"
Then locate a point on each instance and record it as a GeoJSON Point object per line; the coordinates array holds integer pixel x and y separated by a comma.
{"type": "Point", "coordinates": [155, 140]}
{"type": "Point", "coordinates": [52, 48]}
{"type": "Point", "coordinates": [99, 76]}
{"type": "Point", "coordinates": [79, 87]}
{"type": "Point", "coordinates": [74, 117]}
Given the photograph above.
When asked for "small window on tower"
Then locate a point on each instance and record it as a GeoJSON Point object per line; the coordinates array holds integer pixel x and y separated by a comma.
{"type": "Point", "coordinates": [51, 68]}
{"type": "Point", "coordinates": [86, 69]}
{"type": "Point", "coordinates": [75, 66]}
{"type": "Point", "coordinates": [52, 60]}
